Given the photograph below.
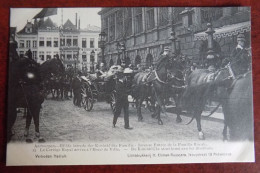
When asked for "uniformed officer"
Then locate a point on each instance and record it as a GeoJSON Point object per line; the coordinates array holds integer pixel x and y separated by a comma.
{"type": "Point", "coordinates": [121, 99]}
{"type": "Point", "coordinates": [240, 58]}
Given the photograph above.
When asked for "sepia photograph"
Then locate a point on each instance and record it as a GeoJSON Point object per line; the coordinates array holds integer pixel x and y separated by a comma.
{"type": "Point", "coordinates": [145, 85]}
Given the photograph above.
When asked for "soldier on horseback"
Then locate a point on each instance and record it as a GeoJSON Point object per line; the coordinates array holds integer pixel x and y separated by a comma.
{"type": "Point", "coordinates": [240, 58]}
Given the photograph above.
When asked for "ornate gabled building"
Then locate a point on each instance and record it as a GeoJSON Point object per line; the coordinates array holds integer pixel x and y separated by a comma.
{"type": "Point", "coordinates": [88, 43]}
{"type": "Point", "coordinates": [138, 35]}
{"type": "Point", "coordinates": [27, 39]}
{"type": "Point", "coordinates": [48, 40]}
{"type": "Point", "coordinates": [75, 46]}
{"type": "Point", "coordinates": [69, 47]}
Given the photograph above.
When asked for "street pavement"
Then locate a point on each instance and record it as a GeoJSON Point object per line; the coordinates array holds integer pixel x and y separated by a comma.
{"type": "Point", "coordinates": [61, 121]}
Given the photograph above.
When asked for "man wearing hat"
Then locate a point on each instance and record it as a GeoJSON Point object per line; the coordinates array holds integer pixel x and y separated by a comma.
{"type": "Point", "coordinates": [121, 98]}
{"type": "Point", "coordinates": [240, 58]}
{"type": "Point", "coordinates": [76, 87]}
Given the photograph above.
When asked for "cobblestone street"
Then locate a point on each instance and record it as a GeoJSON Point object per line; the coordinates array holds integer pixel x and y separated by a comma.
{"type": "Point", "coordinates": [61, 121]}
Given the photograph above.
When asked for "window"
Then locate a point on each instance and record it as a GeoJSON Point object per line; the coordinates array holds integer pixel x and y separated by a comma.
{"type": "Point", "coordinates": [211, 14]}
{"type": "Point", "coordinates": [28, 43]}
{"type": "Point", "coordinates": [138, 20]}
{"type": "Point", "coordinates": [163, 16]}
{"type": "Point", "coordinates": [105, 26]}
{"type": "Point", "coordinates": [34, 43]}
{"type": "Point", "coordinates": [75, 41]}
{"type": "Point", "coordinates": [28, 30]}
{"type": "Point", "coordinates": [150, 18]}
{"type": "Point", "coordinates": [119, 24]}
{"type": "Point", "coordinates": [176, 17]}
{"type": "Point", "coordinates": [48, 56]}
{"type": "Point", "coordinates": [41, 55]}
{"type": "Point", "coordinates": [128, 21]}
{"type": "Point", "coordinates": [62, 41]}
{"type": "Point", "coordinates": [21, 53]}
{"type": "Point", "coordinates": [41, 42]}
{"type": "Point", "coordinates": [75, 55]}
{"type": "Point", "coordinates": [234, 10]}
{"type": "Point", "coordinates": [34, 55]}
{"type": "Point", "coordinates": [21, 44]}
{"type": "Point", "coordinates": [92, 43]}
{"type": "Point", "coordinates": [56, 42]}
{"type": "Point", "coordinates": [112, 27]}
{"type": "Point", "coordinates": [69, 56]}
{"type": "Point", "coordinates": [84, 58]}
{"type": "Point", "coordinates": [68, 41]}
{"type": "Point", "coordinates": [84, 43]}
{"type": "Point", "coordinates": [190, 19]}
{"type": "Point", "coordinates": [48, 42]}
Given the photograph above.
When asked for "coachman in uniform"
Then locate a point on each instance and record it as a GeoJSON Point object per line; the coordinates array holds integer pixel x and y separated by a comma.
{"type": "Point", "coordinates": [121, 99]}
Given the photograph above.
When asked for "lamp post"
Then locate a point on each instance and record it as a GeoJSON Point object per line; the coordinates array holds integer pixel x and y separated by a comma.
{"type": "Point", "coordinates": [102, 39]}
{"type": "Point", "coordinates": [211, 54]}
{"type": "Point", "coordinates": [92, 60]}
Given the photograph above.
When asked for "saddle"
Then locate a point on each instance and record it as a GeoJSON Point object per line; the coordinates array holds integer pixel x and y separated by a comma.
{"type": "Point", "coordinates": [149, 77]}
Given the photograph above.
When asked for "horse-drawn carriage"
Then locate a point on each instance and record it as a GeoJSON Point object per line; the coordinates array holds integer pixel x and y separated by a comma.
{"type": "Point", "coordinates": [95, 88]}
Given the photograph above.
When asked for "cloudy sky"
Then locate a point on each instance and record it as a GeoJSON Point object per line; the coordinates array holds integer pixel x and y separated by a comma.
{"type": "Point", "coordinates": [19, 16]}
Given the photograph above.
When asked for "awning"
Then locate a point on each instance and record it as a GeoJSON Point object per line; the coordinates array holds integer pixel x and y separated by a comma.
{"type": "Point", "coordinates": [226, 31]}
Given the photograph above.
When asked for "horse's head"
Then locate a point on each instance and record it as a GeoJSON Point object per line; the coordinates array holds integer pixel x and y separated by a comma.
{"type": "Point", "coordinates": [27, 71]}
{"type": "Point", "coordinates": [176, 67]}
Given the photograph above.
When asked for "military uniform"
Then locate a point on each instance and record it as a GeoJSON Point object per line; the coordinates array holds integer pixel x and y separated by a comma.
{"type": "Point", "coordinates": [121, 100]}
{"type": "Point", "coordinates": [240, 58]}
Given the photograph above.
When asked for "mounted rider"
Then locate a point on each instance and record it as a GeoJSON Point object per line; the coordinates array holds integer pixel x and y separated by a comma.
{"type": "Point", "coordinates": [240, 58]}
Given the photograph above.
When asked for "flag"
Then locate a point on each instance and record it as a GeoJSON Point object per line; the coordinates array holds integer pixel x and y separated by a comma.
{"type": "Point", "coordinates": [46, 12]}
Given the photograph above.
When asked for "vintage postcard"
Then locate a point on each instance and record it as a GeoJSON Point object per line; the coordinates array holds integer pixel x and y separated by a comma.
{"type": "Point", "coordinates": [135, 85]}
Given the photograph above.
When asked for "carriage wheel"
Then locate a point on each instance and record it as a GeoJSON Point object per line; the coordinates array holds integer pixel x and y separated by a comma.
{"type": "Point", "coordinates": [87, 97]}
{"type": "Point", "coordinates": [113, 101]}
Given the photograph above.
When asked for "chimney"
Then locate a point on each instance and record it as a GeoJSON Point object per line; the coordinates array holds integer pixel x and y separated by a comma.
{"type": "Point", "coordinates": [76, 20]}
{"type": "Point", "coordinates": [79, 24]}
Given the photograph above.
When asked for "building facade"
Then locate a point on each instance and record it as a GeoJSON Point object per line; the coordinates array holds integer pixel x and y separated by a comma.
{"type": "Point", "coordinates": [88, 43]}
{"type": "Point", "coordinates": [48, 40]}
{"type": "Point", "coordinates": [69, 47]}
{"type": "Point", "coordinates": [78, 48]}
{"type": "Point", "coordinates": [145, 31]}
{"type": "Point", "coordinates": [27, 39]}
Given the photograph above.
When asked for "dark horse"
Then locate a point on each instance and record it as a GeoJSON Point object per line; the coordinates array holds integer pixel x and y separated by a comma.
{"type": "Point", "coordinates": [53, 73]}
{"type": "Point", "coordinates": [154, 85]}
{"type": "Point", "coordinates": [25, 91]}
{"type": "Point", "coordinates": [234, 93]}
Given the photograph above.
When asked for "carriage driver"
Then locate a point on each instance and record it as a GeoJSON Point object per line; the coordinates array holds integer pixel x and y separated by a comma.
{"type": "Point", "coordinates": [121, 98]}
